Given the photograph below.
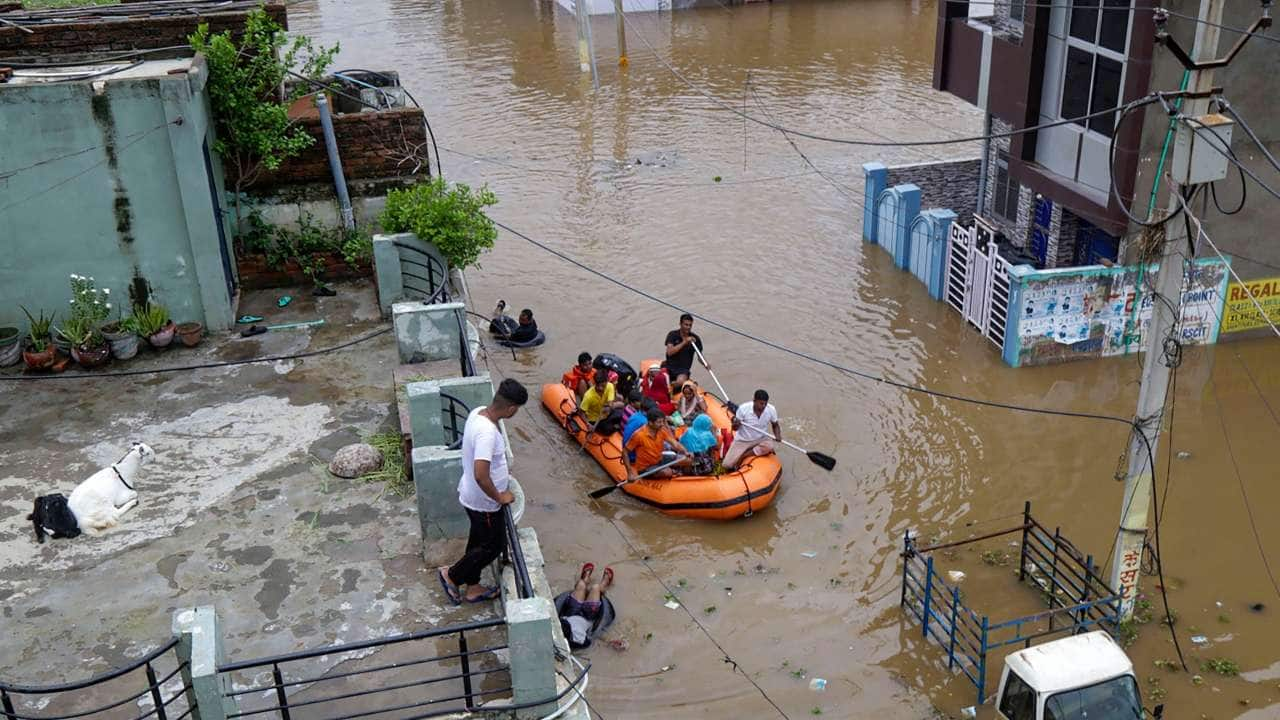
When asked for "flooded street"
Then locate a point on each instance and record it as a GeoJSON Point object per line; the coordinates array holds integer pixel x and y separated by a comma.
{"type": "Point", "coordinates": [649, 181]}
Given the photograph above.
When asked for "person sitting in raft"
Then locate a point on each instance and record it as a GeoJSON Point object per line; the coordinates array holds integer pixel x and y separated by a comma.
{"type": "Point", "coordinates": [755, 430]}
{"type": "Point", "coordinates": [583, 605]}
{"type": "Point", "coordinates": [635, 404]}
{"type": "Point", "coordinates": [526, 327]}
{"type": "Point", "coordinates": [640, 405]}
{"type": "Point", "coordinates": [700, 439]}
{"type": "Point", "coordinates": [581, 376]}
{"type": "Point", "coordinates": [690, 404]}
{"type": "Point", "coordinates": [648, 443]}
{"type": "Point", "coordinates": [680, 344]}
{"type": "Point", "coordinates": [658, 388]}
{"type": "Point", "coordinates": [600, 398]}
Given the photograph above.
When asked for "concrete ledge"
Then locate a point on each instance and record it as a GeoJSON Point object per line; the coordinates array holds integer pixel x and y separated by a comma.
{"type": "Point", "coordinates": [427, 332]}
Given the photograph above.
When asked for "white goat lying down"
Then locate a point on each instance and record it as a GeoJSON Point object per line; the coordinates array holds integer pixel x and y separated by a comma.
{"type": "Point", "coordinates": [96, 504]}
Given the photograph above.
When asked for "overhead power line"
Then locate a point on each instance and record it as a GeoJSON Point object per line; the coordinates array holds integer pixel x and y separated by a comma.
{"type": "Point", "coordinates": [1200, 233]}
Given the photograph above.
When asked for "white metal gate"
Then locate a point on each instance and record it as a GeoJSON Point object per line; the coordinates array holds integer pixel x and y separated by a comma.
{"type": "Point", "coordinates": [958, 251]}
{"type": "Point", "coordinates": [975, 292]}
{"type": "Point", "coordinates": [997, 299]}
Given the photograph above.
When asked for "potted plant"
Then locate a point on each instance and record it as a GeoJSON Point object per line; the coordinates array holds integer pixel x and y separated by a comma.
{"type": "Point", "coordinates": [122, 336]}
{"type": "Point", "coordinates": [89, 309]}
{"type": "Point", "coordinates": [88, 347]}
{"type": "Point", "coordinates": [190, 333]}
{"type": "Point", "coordinates": [40, 352]}
{"type": "Point", "coordinates": [154, 324]}
{"type": "Point", "coordinates": [10, 346]}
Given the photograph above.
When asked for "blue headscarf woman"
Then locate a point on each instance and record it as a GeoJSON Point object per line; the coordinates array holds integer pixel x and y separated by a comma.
{"type": "Point", "coordinates": [700, 437]}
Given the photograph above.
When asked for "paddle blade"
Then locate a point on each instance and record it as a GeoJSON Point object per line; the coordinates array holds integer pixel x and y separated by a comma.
{"type": "Point", "coordinates": [596, 494]}
{"type": "Point", "coordinates": [826, 462]}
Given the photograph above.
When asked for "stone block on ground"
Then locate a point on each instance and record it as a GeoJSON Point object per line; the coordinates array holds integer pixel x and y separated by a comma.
{"type": "Point", "coordinates": [355, 460]}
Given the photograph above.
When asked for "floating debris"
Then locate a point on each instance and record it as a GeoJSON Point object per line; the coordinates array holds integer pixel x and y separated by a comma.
{"type": "Point", "coordinates": [809, 554]}
{"type": "Point", "coordinates": [817, 684]}
{"type": "Point", "coordinates": [1199, 639]}
{"type": "Point", "coordinates": [955, 576]}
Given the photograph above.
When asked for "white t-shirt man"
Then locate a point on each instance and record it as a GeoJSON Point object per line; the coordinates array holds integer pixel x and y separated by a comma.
{"type": "Point", "coordinates": [754, 427]}
{"type": "Point", "coordinates": [482, 440]}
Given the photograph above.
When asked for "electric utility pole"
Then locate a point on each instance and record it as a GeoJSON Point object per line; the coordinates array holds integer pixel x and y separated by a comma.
{"type": "Point", "coordinates": [586, 54]}
{"type": "Point", "coordinates": [1155, 369]}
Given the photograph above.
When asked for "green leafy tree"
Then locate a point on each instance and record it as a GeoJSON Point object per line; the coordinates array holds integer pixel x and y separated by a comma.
{"type": "Point", "coordinates": [246, 74]}
{"type": "Point", "coordinates": [451, 217]}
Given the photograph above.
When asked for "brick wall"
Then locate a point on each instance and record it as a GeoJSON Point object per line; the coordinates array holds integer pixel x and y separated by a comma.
{"type": "Point", "coordinates": [951, 185]}
{"type": "Point", "coordinates": [372, 145]}
{"type": "Point", "coordinates": [120, 34]}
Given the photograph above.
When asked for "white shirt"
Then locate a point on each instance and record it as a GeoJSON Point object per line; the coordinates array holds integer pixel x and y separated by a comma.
{"type": "Point", "coordinates": [482, 440]}
{"type": "Point", "coordinates": [753, 427]}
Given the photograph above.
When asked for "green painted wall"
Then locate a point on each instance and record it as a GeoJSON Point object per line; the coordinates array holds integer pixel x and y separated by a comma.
{"type": "Point", "coordinates": [108, 179]}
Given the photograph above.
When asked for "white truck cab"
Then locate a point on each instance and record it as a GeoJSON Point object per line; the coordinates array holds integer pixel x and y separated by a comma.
{"type": "Point", "coordinates": [1083, 677]}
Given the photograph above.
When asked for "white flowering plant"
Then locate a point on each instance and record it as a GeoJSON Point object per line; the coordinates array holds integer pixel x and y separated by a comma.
{"type": "Point", "coordinates": [89, 310]}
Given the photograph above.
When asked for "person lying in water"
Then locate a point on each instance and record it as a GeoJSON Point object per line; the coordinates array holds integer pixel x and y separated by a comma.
{"type": "Point", "coordinates": [526, 327]}
{"type": "Point", "coordinates": [584, 604]}
{"type": "Point", "coordinates": [649, 443]}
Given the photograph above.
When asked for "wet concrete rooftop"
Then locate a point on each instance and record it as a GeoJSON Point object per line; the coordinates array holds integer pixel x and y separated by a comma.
{"type": "Point", "coordinates": [236, 509]}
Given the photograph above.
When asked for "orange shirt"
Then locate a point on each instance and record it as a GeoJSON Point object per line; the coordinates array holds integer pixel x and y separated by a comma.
{"type": "Point", "coordinates": [648, 447]}
{"type": "Point", "coordinates": [576, 375]}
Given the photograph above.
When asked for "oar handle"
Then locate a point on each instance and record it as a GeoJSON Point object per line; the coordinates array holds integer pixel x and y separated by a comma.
{"type": "Point", "coordinates": [712, 373]}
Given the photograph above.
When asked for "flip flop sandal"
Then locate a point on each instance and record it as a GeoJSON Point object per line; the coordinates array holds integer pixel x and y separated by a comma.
{"type": "Point", "coordinates": [324, 292]}
{"type": "Point", "coordinates": [251, 331]}
{"type": "Point", "coordinates": [449, 588]}
{"type": "Point", "coordinates": [249, 319]}
{"type": "Point", "coordinates": [587, 569]}
{"type": "Point", "coordinates": [488, 594]}
{"type": "Point", "coordinates": [607, 580]}
{"type": "Point", "coordinates": [284, 300]}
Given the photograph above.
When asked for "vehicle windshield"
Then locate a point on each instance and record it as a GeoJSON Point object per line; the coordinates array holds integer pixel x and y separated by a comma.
{"type": "Point", "coordinates": [1114, 699]}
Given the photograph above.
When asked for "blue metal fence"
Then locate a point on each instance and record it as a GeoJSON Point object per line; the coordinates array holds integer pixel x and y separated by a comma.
{"type": "Point", "coordinates": [1077, 599]}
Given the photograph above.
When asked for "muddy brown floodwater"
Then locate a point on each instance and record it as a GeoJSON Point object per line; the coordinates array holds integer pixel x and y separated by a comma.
{"type": "Point", "coordinates": [624, 179]}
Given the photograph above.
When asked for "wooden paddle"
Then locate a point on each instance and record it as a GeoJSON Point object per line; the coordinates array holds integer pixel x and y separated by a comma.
{"type": "Point", "coordinates": [606, 490]}
{"type": "Point", "coordinates": [822, 460]}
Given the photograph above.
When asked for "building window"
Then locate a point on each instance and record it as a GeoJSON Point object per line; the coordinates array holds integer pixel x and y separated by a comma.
{"type": "Point", "coordinates": [1016, 11]}
{"type": "Point", "coordinates": [1097, 38]}
{"type": "Point", "coordinates": [1005, 203]}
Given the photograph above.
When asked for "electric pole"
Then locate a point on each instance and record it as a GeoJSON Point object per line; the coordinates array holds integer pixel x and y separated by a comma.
{"type": "Point", "coordinates": [1165, 312]}
{"type": "Point", "coordinates": [622, 32]}
{"type": "Point", "coordinates": [586, 54]}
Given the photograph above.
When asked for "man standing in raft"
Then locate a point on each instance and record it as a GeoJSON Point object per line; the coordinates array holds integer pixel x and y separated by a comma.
{"type": "Point", "coordinates": [755, 430]}
{"type": "Point", "coordinates": [680, 351]}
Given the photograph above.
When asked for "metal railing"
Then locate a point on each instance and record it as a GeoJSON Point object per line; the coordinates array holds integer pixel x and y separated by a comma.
{"type": "Point", "coordinates": [454, 420]}
{"type": "Point", "coordinates": [389, 687]}
{"type": "Point", "coordinates": [437, 279]}
{"type": "Point", "coordinates": [1077, 598]}
{"type": "Point", "coordinates": [515, 555]}
{"type": "Point", "coordinates": [87, 692]}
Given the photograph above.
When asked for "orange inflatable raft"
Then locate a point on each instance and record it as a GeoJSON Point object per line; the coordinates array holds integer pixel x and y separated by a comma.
{"type": "Point", "coordinates": [724, 497]}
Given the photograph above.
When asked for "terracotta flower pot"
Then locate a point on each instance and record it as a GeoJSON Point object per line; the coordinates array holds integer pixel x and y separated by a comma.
{"type": "Point", "coordinates": [42, 360]}
{"type": "Point", "coordinates": [162, 337]}
{"type": "Point", "coordinates": [91, 357]}
{"type": "Point", "coordinates": [190, 333]}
